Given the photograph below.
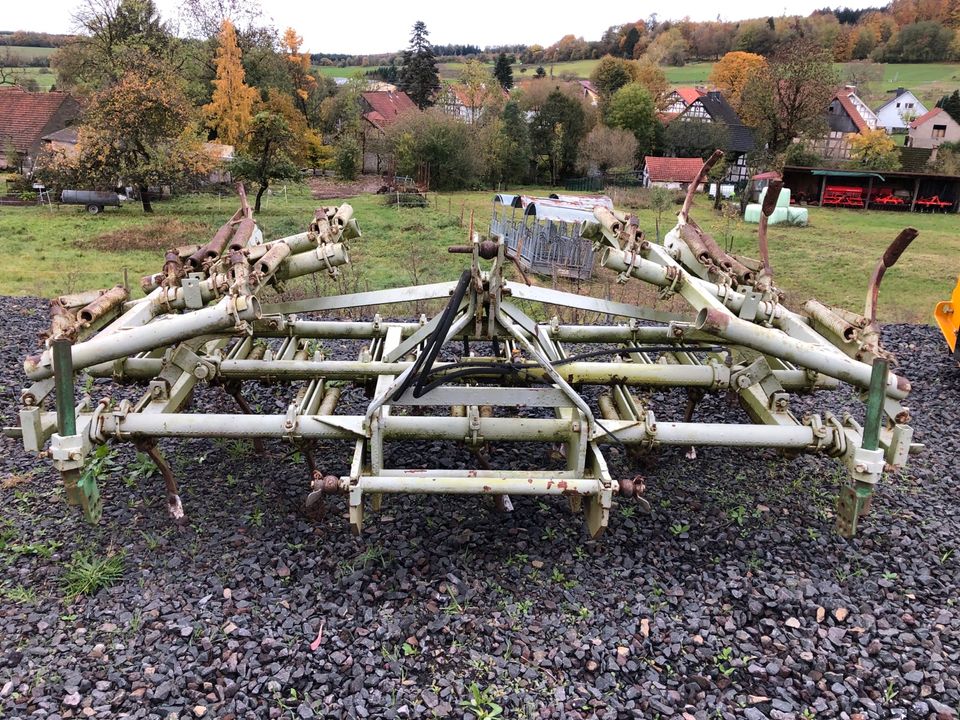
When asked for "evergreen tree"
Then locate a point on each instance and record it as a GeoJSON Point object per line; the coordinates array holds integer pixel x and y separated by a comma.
{"type": "Point", "coordinates": [419, 77]}
{"type": "Point", "coordinates": [951, 103]}
{"type": "Point", "coordinates": [503, 72]}
{"type": "Point", "coordinates": [541, 73]}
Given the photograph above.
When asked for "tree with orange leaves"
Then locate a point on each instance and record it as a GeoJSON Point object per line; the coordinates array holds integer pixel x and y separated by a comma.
{"type": "Point", "coordinates": [139, 130]}
{"type": "Point", "coordinates": [299, 66]}
{"type": "Point", "coordinates": [231, 107]}
{"type": "Point", "coordinates": [731, 73]}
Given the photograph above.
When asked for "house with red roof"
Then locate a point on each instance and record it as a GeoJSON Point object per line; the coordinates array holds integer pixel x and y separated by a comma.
{"type": "Point", "coordinates": [932, 129]}
{"type": "Point", "coordinates": [25, 118]}
{"type": "Point", "coordinates": [380, 109]}
{"type": "Point", "coordinates": [671, 172]}
{"type": "Point", "coordinates": [458, 100]}
{"type": "Point", "coordinates": [679, 99]}
{"type": "Point", "coordinates": [846, 114]}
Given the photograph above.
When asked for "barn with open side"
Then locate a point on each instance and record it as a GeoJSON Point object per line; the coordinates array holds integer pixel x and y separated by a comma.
{"type": "Point", "coordinates": [873, 190]}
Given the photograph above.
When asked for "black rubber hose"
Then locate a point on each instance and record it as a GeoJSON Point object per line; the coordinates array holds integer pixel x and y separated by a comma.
{"type": "Point", "coordinates": [425, 359]}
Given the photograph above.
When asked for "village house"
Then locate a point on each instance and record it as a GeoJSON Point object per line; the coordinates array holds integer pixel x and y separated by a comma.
{"type": "Point", "coordinates": [380, 110]}
{"type": "Point", "coordinates": [458, 100]}
{"type": "Point", "coordinates": [846, 114]}
{"type": "Point", "coordinates": [712, 107]}
{"type": "Point", "coordinates": [898, 112]}
{"type": "Point", "coordinates": [932, 129]}
{"type": "Point", "coordinates": [679, 99]}
{"type": "Point", "coordinates": [25, 118]}
{"type": "Point", "coordinates": [671, 172]}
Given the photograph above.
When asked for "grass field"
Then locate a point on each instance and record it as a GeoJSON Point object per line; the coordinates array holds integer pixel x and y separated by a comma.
{"type": "Point", "coordinates": [50, 251]}
{"type": "Point", "coordinates": [27, 53]}
{"type": "Point", "coordinates": [45, 77]}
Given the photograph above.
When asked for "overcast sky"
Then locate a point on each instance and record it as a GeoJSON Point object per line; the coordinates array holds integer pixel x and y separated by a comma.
{"type": "Point", "coordinates": [371, 26]}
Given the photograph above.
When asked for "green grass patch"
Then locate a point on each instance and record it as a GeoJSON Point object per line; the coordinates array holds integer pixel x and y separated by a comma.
{"type": "Point", "coordinates": [87, 573]}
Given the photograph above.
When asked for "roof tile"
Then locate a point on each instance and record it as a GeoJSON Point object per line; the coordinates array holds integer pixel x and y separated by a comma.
{"type": "Point", "coordinates": [670, 169]}
{"type": "Point", "coordinates": [24, 115]}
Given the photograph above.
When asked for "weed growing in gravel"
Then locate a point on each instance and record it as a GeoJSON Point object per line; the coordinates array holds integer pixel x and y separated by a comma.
{"type": "Point", "coordinates": [256, 517]}
{"type": "Point", "coordinates": [481, 704]}
{"type": "Point", "coordinates": [887, 575]}
{"type": "Point", "coordinates": [20, 594]}
{"type": "Point", "coordinates": [557, 576]}
{"type": "Point", "coordinates": [102, 462]}
{"type": "Point", "coordinates": [549, 533]}
{"type": "Point", "coordinates": [152, 541]}
{"type": "Point", "coordinates": [721, 661]}
{"type": "Point", "coordinates": [889, 693]}
{"type": "Point", "coordinates": [86, 573]}
{"type": "Point", "coordinates": [946, 555]}
{"type": "Point", "coordinates": [627, 511]}
{"type": "Point", "coordinates": [141, 468]}
{"type": "Point", "coordinates": [453, 607]}
{"type": "Point", "coordinates": [136, 620]}
{"type": "Point", "coordinates": [679, 528]}
{"type": "Point", "coordinates": [43, 548]}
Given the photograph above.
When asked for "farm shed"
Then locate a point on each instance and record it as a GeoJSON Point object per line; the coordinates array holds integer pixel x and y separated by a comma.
{"type": "Point", "coordinates": [865, 189]}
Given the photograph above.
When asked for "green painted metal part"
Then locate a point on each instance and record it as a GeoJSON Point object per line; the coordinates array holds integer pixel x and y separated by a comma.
{"type": "Point", "coordinates": [63, 381]}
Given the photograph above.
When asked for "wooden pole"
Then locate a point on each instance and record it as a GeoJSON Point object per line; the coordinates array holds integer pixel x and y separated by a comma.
{"type": "Point", "coordinates": [823, 189]}
{"type": "Point", "coordinates": [866, 203]}
{"type": "Point", "coordinates": [916, 190]}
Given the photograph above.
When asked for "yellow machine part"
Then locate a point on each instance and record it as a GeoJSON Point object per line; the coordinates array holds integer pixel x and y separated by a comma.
{"type": "Point", "coordinates": [947, 314]}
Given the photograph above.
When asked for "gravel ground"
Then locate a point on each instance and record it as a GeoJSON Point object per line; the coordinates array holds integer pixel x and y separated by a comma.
{"type": "Point", "coordinates": [732, 599]}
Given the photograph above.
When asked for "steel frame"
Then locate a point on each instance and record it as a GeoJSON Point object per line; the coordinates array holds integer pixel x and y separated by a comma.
{"type": "Point", "coordinates": [203, 321]}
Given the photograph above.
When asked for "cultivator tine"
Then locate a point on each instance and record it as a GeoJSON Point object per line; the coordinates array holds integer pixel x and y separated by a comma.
{"type": "Point", "coordinates": [203, 321]}
{"type": "Point", "coordinates": [149, 447]}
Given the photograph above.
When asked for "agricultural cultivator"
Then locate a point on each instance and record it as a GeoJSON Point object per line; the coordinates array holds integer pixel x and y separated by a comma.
{"type": "Point", "coordinates": [492, 367]}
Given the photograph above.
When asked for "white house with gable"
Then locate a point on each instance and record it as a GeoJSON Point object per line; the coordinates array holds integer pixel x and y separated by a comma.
{"type": "Point", "coordinates": [896, 114]}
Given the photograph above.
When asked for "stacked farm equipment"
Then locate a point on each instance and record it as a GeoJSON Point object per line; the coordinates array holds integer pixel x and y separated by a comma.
{"type": "Point", "coordinates": [516, 379]}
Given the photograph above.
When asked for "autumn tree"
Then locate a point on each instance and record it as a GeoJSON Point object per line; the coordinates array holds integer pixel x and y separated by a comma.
{"type": "Point", "coordinates": [503, 72]}
{"type": "Point", "coordinates": [418, 76]}
{"type": "Point", "coordinates": [732, 72]}
{"type": "Point", "coordinates": [874, 149]}
{"type": "Point", "coordinates": [789, 97]}
{"type": "Point", "coordinates": [139, 131]}
{"type": "Point", "coordinates": [298, 65]}
{"type": "Point", "coordinates": [477, 88]}
{"type": "Point", "coordinates": [631, 108]}
{"type": "Point", "coordinates": [669, 48]}
{"type": "Point", "coordinates": [605, 148]}
{"type": "Point", "coordinates": [653, 79]}
{"type": "Point", "coordinates": [231, 108]}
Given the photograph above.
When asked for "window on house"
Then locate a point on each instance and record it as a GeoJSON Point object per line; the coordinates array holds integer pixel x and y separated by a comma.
{"type": "Point", "coordinates": [909, 105]}
{"type": "Point", "coordinates": [898, 104]}
{"type": "Point", "coordinates": [939, 131]}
